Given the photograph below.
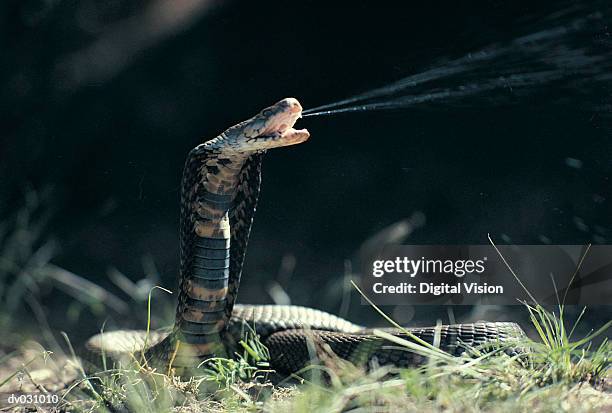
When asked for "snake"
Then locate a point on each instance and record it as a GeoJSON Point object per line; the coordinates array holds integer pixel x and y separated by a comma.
{"type": "Point", "coordinates": [219, 192]}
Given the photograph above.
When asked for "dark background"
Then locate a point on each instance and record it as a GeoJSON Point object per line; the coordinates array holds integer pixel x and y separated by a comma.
{"type": "Point", "coordinates": [102, 100]}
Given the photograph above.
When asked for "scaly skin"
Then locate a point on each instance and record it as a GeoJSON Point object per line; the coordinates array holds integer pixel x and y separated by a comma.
{"type": "Point", "coordinates": [219, 193]}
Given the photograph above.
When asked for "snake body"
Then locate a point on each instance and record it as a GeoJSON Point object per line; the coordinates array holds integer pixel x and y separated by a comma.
{"type": "Point", "coordinates": [219, 193]}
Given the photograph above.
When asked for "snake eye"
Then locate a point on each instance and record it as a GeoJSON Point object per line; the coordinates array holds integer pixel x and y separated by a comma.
{"type": "Point", "coordinates": [267, 112]}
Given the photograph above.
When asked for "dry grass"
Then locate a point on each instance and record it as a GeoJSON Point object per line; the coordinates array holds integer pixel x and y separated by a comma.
{"type": "Point", "coordinates": [559, 373]}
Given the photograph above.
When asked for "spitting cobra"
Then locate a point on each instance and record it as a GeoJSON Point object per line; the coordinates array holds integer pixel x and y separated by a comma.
{"type": "Point", "coordinates": [219, 194]}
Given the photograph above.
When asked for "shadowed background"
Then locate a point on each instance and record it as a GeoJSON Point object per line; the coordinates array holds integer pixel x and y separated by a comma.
{"type": "Point", "coordinates": [101, 101]}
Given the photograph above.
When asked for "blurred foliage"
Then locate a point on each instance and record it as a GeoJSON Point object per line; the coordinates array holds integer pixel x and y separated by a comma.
{"type": "Point", "coordinates": [101, 101]}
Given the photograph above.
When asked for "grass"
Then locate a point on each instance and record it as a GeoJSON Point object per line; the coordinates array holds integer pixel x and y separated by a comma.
{"type": "Point", "coordinates": [557, 374]}
{"type": "Point", "coordinates": [560, 372]}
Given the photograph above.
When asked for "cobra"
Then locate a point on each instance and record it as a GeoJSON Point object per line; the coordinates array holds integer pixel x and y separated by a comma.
{"type": "Point", "coordinates": [219, 194]}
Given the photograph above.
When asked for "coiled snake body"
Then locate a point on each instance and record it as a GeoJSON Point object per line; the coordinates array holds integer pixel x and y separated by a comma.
{"type": "Point", "coordinates": [219, 194]}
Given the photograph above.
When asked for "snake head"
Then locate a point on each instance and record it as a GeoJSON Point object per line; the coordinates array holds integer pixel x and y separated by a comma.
{"type": "Point", "coordinates": [270, 128]}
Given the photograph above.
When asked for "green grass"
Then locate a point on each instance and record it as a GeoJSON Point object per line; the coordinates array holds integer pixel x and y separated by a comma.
{"type": "Point", "coordinates": [560, 372]}
{"type": "Point", "coordinates": [557, 374]}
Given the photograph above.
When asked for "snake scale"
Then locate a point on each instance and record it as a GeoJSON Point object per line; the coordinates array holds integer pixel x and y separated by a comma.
{"type": "Point", "coordinates": [219, 193]}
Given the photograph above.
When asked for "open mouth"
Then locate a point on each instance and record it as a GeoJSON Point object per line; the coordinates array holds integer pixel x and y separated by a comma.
{"type": "Point", "coordinates": [280, 125]}
{"type": "Point", "coordinates": [286, 127]}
